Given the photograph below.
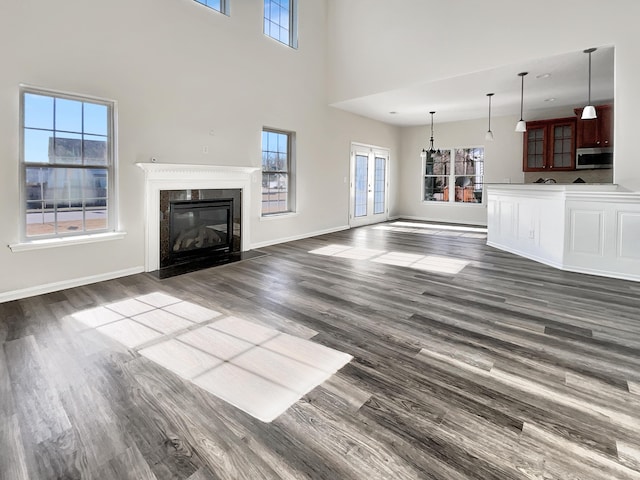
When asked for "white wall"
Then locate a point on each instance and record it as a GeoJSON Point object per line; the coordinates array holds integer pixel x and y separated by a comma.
{"type": "Point", "coordinates": [178, 71]}
{"type": "Point", "coordinates": [418, 41]}
{"type": "Point", "coordinates": [503, 164]}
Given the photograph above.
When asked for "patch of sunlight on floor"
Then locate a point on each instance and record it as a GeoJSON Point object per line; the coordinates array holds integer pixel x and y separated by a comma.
{"type": "Point", "coordinates": [257, 369]}
{"type": "Point", "coordinates": [434, 229]}
{"type": "Point", "coordinates": [440, 226]}
{"type": "Point", "coordinates": [430, 263]}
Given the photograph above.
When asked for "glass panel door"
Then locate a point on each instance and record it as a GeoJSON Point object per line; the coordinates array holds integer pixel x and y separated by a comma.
{"type": "Point", "coordinates": [379, 185]}
{"type": "Point", "coordinates": [369, 182]}
{"type": "Point", "coordinates": [361, 185]}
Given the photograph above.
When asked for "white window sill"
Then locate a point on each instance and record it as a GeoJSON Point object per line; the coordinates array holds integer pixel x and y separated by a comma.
{"type": "Point", "coordinates": [66, 241]}
{"type": "Point", "coordinates": [276, 216]}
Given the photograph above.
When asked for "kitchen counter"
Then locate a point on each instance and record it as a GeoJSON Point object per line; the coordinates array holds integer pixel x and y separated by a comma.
{"type": "Point", "coordinates": [581, 227]}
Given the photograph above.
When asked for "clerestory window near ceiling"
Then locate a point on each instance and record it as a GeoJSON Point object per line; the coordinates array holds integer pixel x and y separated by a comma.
{"type": "Point", "coordinates": [456, 175]}
{"type": "Point", "coordinates": [67, 164]}
{"type": "Point", "coordinates": [221, 6]}
{"type": "Point", "coordinates": [281, 21]}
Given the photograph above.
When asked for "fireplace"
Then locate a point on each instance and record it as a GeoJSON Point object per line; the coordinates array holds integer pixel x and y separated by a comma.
{"type": "Point", "coordinates": [199, 228]}
{"type": "Point", "coordinates": [189, 181]}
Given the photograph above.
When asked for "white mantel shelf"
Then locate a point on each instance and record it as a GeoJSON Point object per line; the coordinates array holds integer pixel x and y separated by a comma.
{"type": "Point", "coordinates": [586, 228]}
{"type": "Point", "coordinates": [178, 176]}
{"type": "Point", "coordinates": [162, 169]}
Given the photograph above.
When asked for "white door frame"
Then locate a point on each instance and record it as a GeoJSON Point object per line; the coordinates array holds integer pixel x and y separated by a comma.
{"type": "Point", "coordinates": [372, 152]}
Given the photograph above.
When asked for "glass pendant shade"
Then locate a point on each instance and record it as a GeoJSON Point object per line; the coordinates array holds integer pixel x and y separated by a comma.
{"type": "Point", "coordinates": [521, 126]}
{"type": "Point", "coordinates": [589, 113]}
{"type": "Point", "coordinates": [489, 136]}
{"type": "Point", "coordinates": [423, 154]}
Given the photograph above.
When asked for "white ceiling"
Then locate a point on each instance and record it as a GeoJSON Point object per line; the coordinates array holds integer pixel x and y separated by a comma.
{"type": "Point", "coordinates": [465, 97]}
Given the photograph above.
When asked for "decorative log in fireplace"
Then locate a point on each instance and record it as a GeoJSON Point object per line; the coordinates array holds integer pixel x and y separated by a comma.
{"type": "Point", "coordinates": [199, 228]}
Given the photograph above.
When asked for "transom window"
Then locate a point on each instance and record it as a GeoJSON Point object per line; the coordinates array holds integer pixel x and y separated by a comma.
{"type": "Point", "coordinates": [456, 175]}
{"type": "Point", "coordinates": [277, 163]}
{"type": "Point", "coordinates": [219, 5]}
{"type": "Point", "coordinates": [67, 159]}
{"type": "Point", "coordinates": [280, 21]}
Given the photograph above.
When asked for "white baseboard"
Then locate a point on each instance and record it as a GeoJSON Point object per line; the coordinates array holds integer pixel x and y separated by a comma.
{"type": "Point", "coordinates": [299, 237]}
{"type": "Point", "coordinates": [56, 286]}
{"type": "Point", "coordinates": [603, 273]}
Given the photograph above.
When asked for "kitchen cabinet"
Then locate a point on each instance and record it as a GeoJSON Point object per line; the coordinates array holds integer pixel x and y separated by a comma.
{"type": "Point", "coordinates": [597, 132]}
{"type": "Point", "coordinates": [550, 145]}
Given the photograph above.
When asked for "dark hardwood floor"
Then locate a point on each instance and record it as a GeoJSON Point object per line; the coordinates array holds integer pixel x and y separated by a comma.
{"type": "Point", "coordinates": [508, 369]}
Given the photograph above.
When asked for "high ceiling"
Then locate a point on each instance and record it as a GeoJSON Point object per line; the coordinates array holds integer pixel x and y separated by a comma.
{"type": "Point", "coordinates": [552, 83]}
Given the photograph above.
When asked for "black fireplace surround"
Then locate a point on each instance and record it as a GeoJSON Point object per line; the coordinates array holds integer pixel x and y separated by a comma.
{"type": "Point", "coordinates": [198, 229]}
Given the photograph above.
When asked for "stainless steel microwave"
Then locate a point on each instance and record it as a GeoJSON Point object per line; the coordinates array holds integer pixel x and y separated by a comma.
{"type": "Point", "coordinates": [594, 158]}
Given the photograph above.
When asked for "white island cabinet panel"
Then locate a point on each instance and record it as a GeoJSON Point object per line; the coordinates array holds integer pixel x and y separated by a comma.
{"type": "Point", "coordinates": [584, 228]}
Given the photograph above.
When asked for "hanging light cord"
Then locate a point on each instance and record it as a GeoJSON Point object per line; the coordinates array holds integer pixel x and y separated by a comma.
{"type": "Point", "coordinates": [490, 95]}
{"type": "Point", "coordinates": [431, 149]}
{"type": "Point", "coordinates": [522, 95]}
{"type": "Point", "coordinates": [589, 103]}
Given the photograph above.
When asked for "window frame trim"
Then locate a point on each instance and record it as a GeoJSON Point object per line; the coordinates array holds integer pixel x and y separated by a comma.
{"type": "Point", "coordinates": [451, 176]}
{"type": "Point", "coordinates": [291, 190]}
{"type": "Point", "coordinates": [293, 26]}
{"type": "Point", "coordinates": [112, 166]}
{"type": "Point", "coordinates": [224, 7]}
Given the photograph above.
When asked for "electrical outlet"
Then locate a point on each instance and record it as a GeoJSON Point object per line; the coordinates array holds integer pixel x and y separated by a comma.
{"type": "Point", "coordinates": [205, 149]}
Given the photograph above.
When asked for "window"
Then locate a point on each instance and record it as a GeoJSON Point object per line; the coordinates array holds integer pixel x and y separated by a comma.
{"type": "Point", "coordinates": [67, 160]}
{"type": "Point", "coordinates": [457, 175]}
{"type": "Point", "coordinates": [219, 5]}
{"type": "Point", "coordinates": [280, 21]}
{"type": "Point", "coordinates": [277, 171]}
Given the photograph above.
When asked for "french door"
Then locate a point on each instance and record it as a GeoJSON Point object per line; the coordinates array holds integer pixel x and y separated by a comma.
{"type": "Point", "coordinates": [369, 185]}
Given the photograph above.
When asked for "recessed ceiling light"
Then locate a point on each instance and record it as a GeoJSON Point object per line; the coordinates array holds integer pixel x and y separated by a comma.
{"type": "Point", "coordinates": [550, 99]}
{"type": "Point", "coordinates": [543, 75]}
{"type": "Point", "coordinates": [393, 113]}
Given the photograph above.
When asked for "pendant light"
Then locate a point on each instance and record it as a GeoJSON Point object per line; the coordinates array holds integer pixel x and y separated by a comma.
{"type": "Point", "coordinates": [489, 134]}
{"type": "Point", "coordinates": [435, 154]}
{"type": "Point", "coordinates": [521, 126]}
{"type": "Point", "coordinates": [589, 112]}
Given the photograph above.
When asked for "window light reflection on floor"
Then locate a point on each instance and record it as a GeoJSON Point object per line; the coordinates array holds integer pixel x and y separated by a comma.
{"type": "Point", "coordinates": [435, 229]}
{"type": "Point", "coordinates": [429, 263]}
{"type": "Point", "coordinates": [258, 369]}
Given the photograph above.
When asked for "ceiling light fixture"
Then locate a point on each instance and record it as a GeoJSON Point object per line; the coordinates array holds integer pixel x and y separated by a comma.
{"type": "Point", "coordinates": [433, 153]}
{"type": "Point", "coordinates": [489, 134]}
{"type": "Point", "coordinates": [521, 126]}
{"type": "Point", "coordinates": [589, 112]}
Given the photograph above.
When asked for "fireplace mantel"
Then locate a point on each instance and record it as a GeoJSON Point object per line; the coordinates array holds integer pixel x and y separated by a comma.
{"type": "Point", "coordinates": [177, 176]}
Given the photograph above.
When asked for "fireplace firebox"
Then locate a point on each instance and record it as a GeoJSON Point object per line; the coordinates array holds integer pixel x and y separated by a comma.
{"type": "Point", "coordinates": [199, 228]}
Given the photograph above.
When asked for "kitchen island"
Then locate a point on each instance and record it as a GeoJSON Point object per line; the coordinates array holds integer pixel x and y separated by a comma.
{"type": "Point", "coordinates": [587, 228]}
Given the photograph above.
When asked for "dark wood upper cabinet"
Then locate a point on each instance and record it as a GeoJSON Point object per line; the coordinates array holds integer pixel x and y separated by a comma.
{"type": "Point", "coordinates": [597, 132]}
{"type": "Point", "coordinates": [550, 145]}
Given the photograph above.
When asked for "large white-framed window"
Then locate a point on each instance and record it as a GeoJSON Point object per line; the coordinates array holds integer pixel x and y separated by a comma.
{"type": "Point", "coordinates": [221, 6]}
{"type": "Point", "coordinates": [278, 155]}
{"type": "Point", "coordinates": [281, 21]}
{"type": "Point", "coordinates": [456, 175]}
{"type": "Point", "coordinates": [68, 163]}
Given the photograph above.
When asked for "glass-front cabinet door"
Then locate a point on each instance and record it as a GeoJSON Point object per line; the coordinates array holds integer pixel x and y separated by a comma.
{"type": "Point", "coordinates": [550, 145]}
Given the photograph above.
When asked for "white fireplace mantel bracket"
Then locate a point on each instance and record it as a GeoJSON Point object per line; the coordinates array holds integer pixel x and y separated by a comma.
{"type": "Point", "coordinates": [176, 176]}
